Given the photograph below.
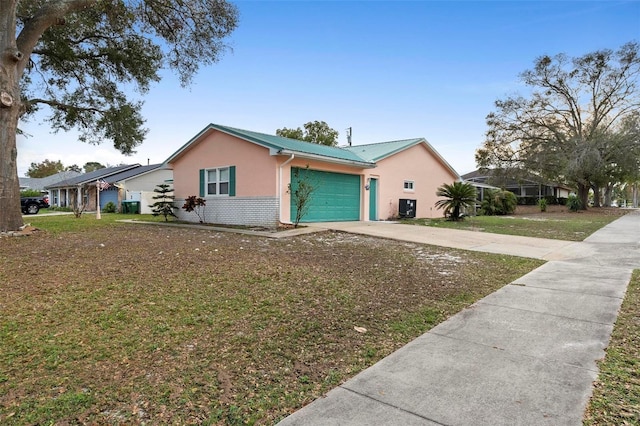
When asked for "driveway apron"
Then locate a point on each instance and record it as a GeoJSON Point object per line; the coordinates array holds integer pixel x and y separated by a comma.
{"type": "Point", "coordinates": [524, 355]}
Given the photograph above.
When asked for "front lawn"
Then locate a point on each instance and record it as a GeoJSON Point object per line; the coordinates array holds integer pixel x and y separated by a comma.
{"type": "Point", "coordinates": [558, 224]}
{"type": "Point", "coordinates": [113, 323]}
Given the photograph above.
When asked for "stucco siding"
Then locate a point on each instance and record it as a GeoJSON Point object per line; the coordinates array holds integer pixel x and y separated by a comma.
{"type": "Point", "coordinates": [255, 168]}
{"type": "Point", "coordinates": [415, 164]}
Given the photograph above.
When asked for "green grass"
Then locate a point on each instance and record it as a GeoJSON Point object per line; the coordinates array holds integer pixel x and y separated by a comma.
{"type": "Point", "coordinates": [572, 227]}
{"type": "Point", "coordinates": [56, 224]}
{"type": "Point", "coordinates": [616, 395]}
{"type": "Point", "coordinates": [128, 324]}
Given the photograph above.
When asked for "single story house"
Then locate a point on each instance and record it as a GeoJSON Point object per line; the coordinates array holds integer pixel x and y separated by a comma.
{"type": "Point", "coordinates": [39, 184]}
{"type": "Point", "coordinates": [123, 183]}
{"type": "Point", "coordinates": [138, 184]}
{"type": "Point", "coordinates": [246, 178]}
{"type": "Point", "coordinates": [525, 186]}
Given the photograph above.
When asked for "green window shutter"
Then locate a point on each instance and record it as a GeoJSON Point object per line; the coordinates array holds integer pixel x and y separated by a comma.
{"type": "Point", "coordinates": [232, 181]}
{"type": "Point", "coordinates": [202, 182]}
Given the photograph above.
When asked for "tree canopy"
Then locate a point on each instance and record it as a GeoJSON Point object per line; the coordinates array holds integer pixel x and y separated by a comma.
{"type": "Point", "coordinates": [45, 168]}
{"type": "Point", "coordinates": [92, 166]}
{"type": "Point", "coordinates": [580, 123]}
{"type": "Point", "coordinates": [314, 131]}
{"type": "Point", "coordinates": [86, 61]}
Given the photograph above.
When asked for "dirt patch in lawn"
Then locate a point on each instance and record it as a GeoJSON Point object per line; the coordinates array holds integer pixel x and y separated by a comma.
{"type": "Point", "coordinates": [134, 324]}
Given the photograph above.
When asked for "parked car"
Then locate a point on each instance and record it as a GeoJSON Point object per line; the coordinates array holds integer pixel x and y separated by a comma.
{"type": "Point", "coordinates": [32, 205]}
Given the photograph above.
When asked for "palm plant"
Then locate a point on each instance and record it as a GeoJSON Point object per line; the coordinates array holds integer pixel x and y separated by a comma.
{"type": "Point", "coordinates": [456, 196]}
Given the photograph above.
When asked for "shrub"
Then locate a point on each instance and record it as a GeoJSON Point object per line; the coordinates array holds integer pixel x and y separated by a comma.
{"type": "Point", "coordinates": [196, 205]}
{"type": "Point", "coordinates": [457, 196]}
{"type": "Point", "coordinates": [499, 202]}
{"type": "Point", "coordinates": [574, 203]}
{"type": "Point", "coordinates": [542, 203]}
{"type": "Point", "coordinates": [30, 193]}
{"type": "Point", "coordinates": [110, 207]}
{"type": "Point", "coordinates": [551, 200]}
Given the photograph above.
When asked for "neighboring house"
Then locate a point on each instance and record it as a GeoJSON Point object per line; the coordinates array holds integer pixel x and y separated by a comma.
{"type": "Point", "coordinates": [39, 184]}
{"type": "Point", "coordinates": [245, 177]}
{"type": "Point", "coordinates": [129, 182]}
{"type": "Point", "coordinates": [529, 186]}
{"type": "Point", "coordinates": [138, 185]}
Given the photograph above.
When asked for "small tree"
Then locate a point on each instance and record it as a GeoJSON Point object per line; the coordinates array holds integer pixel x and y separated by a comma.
{"type": "Point", "coordinates": [196, 205]}
{"type": "Point", "coordinates": [77, 207]}
{"type": "Point", "coordinates": [499, 202]}
{"type": "Point", "coordinates": [301, 194]}
{"type": "Point", "coordinates": [457, 196]}
{"type": "Point", "coordinates": [164, 202]}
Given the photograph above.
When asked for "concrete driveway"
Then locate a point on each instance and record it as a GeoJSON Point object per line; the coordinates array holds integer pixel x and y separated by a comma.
{"type": "Point", "coordinates": [537, 248]}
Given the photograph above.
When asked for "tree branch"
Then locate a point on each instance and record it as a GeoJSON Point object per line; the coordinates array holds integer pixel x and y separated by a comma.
{"type": "Point", "coordinates": [51, 13]}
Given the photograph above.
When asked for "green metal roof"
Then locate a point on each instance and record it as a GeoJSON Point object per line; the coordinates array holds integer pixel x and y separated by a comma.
{"type": "Point", "coordinates": [364, 156]}
{"type": "Point", "coordinates": [283, 145]}
{"type": "Point", "coordinates": [377, 151]}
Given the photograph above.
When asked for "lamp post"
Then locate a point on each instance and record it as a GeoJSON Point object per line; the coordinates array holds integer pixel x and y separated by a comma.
{"type": "Point", "coordinates": [98, 199]}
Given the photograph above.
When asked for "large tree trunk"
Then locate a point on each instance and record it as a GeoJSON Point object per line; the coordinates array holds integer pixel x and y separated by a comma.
{"type": "Point", "coordinates": [596, 195]}
{"type": "Point", "coordinates": [583, 195]}
{"type": "Point", "coordinates": [10, 213]}
{"type": "Point", "coordinates": [608, 191]}
{"type": "Point", "coordinates": [10, 110]}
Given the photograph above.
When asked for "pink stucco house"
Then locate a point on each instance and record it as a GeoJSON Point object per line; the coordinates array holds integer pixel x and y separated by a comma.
{"type": "Point", "coordinates": [245, 177]}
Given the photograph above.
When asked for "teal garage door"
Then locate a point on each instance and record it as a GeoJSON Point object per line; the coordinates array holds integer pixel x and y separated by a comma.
{"type": "Point", "coordinates": [335, 196]}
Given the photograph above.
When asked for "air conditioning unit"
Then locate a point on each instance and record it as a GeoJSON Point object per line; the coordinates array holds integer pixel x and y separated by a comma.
{"type": "Point", "coordinates": [407, 208]}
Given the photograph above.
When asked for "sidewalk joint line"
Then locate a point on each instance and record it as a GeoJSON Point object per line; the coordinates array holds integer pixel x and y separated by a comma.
{"type": "Point", "coordinates": [515, 283]}
{"type": "Point", "coordinates": [544, 313]}
{"type": "Point", "coordinates": [390, 405]}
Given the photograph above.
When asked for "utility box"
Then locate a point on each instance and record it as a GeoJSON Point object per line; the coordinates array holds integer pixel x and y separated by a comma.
{"type": "Point", "coordinates": [407, 208]}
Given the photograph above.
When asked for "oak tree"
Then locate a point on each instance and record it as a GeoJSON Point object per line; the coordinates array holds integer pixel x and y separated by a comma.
{"type": "Point", "coordinates": [576, 125]}
{"type": "Point", "coordinates": [45, 168]}
{"type": "Point", "coordinates": [85, 61]}
{"type": "Point", "coordinates": [314, 131]}
{"type": "Point", "coordinates": [92, 166]}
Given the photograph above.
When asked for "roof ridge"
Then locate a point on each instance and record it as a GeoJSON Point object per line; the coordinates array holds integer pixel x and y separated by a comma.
{"type": "Point", "coordinates": [383, 142]}
{"type": "Point", "coordinates": [276, 136]}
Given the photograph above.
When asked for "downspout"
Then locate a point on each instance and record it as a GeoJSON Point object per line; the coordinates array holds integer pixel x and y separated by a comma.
{"type": "Point", "coordinates": [280, 187]}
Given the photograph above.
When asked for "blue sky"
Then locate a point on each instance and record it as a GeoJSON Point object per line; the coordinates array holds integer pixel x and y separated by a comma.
{"type": "Point", "coordinates": [390, 70]}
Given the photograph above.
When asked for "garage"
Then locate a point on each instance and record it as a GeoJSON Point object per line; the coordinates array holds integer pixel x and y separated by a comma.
{"type": "Point", "coordinates": [335, 197]}
{"type": "Point", "coordinates": [109, 195]}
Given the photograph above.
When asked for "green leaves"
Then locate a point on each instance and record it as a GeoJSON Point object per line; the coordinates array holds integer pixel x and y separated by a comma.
{"type": "Point", "coordinates": [86, 67]}
{"type": "Point", "coordinates": [457, 196]}
{"type": "Point", "coordinates": [314, 131]}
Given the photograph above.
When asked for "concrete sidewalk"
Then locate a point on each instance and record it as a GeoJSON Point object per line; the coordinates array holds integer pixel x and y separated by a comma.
{"type": "Point", "coordinates": [524, 355]}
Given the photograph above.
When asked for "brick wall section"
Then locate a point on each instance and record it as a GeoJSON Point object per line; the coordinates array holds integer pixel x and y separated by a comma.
{"type": "Point", "coordinates": [247, 211]}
